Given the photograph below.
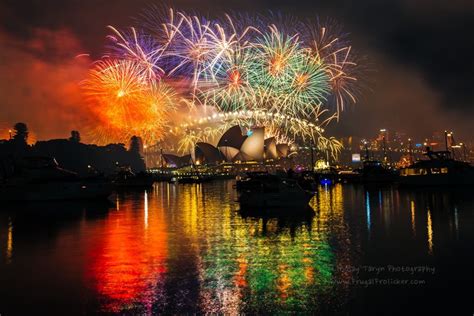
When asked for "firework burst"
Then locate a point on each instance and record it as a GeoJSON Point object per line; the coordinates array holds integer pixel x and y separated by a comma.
{"type": "Point", "coordinates": [332, 49]}
{"type": "Point", "coordinates": [140, 48]}
{"type": "Point", "coordinates": [126, 102]}
{"type": "Point", "coordinates": [291, 77]}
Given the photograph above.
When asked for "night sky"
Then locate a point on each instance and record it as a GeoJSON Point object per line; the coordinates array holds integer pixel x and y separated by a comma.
{"type": "Point", "coordinates": [418, 56]}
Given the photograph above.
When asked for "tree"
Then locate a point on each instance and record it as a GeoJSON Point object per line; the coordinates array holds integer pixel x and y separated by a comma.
{"type": "Point", "coordinates": [136, 145]}
{"type": "Point", "coordinates": [75, 137]}
{"type": "Point", "coordinates": [21, 133]}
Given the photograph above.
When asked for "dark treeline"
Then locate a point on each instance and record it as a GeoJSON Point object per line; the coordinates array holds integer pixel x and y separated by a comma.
{"type": "Point", "coordinates": [70, 153]}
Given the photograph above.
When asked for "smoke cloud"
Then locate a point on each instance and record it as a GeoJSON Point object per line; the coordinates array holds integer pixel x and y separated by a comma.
{"type": "Point", "coordinates": [39, 82]}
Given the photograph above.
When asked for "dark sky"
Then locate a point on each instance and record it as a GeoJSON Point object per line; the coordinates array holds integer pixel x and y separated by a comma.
{"type": "Point", "coordinates": [418, 55]}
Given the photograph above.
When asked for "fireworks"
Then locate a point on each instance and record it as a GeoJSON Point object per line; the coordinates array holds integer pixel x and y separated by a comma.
{"type": "Point", "coordinates": [127, 102]}
{"type": "Point", "coordinates": [140, 48]}
{"type": "Point", "coordinates": [208, 128]}
{"type": "Point", "coordinates": [331, 49]}
{"type": "Point", "coordinates": [293, 78]}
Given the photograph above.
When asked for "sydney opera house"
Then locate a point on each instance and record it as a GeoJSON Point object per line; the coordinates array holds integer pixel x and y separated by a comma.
{"type": "Point", "coordinates": [233, 146]}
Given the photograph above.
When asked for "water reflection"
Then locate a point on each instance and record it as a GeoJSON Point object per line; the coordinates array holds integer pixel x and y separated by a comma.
{"type": "Point", "coordinates": [429, 226]}
{"type": "Point", "coordinates": [127, 261]}
{"type": "Point", "coordinates": [41, 248]}
{"type": "Point", "coordinates": [367, 207]}
{"type": "Point", "coordinates": [9, 242]}
{"type": "Point", "coordinates": [189, 249]}
{"type": "Point", "coordinates": [42, 221]}
{"type": "Point", "coordinates": [456, 222]}
{"type": "Point", "coordinates": [412, 210]}
{"type": "Point", "coordinates": [243, 262]}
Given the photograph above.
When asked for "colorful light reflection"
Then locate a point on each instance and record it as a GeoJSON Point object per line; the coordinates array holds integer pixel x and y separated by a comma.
{"type": "Point", "coordinates": [241, 264]}
{"type": "Point", "coordinates": [128, 261]}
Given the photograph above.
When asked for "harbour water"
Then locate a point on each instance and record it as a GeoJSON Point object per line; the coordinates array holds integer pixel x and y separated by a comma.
{"type": "Point", "coordinates": [188, 249]}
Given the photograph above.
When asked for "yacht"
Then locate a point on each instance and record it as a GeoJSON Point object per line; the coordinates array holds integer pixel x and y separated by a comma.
{"type": "Point", "coordinates": [126, 178]}
{"type": "Point", "coordinates": [41, 179]}
{"type": "Point", "coordinates": [440, 169]}
{"type": "Point", "coordinates": [375, 171]}
{"type": "Point", "coordinates": [250, 180]}
{"type": "Point", "coordinates": [273, 192]}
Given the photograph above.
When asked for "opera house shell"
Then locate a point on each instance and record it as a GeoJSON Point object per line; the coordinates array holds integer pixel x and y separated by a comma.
{"type": "Point", "coordinates": [233, 146]}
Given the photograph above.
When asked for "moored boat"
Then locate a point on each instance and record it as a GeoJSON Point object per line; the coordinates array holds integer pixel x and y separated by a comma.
{"type": "Point", "coordinates": [41, 179]}
{"type": "Point", "coordinates": [126, 178]}
{"type": "Point", "coordinates": [196, 178]}
{"type": "Point", "coordinates": [249, 180]}
{"type": "Point", "coordinates": [374, 171]}
{"type": "Point", "coordinates": [440, 169]}
{"type": "Point", "coordinates": [274, 192]}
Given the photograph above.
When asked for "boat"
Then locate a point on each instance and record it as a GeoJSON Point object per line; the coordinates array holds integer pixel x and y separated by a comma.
{"type": "Point", "coordinates": [195, 178]}
{"type": "Point", "coordinates": [440, 169]}
{"type": "Point", "coordinates": [375, 172]}
{"type": "Point", "coordinates": [191, 177]}
{"type": "Point", "coordinates": [327, 176]}
{"type": "Point", "coordinates": [271, 191]}
{"type": "Point", "coordinates": [126, 178]}
{"type": "Point", "coordinates": [308, 181]}
{"type": "Point", "coordinates": [249, 180]}
{"type": "Point", "coordinates": [42, 179]}
{"type": "Point", "coordinates": [348, 176]}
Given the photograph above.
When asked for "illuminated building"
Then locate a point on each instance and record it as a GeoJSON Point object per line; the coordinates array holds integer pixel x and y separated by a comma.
{"type": "Point", "coordinates": [232, 147]}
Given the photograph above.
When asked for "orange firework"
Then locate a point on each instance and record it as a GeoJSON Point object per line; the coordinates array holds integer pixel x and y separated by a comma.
{"type": "Point", "coordinates": [127, 102]}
